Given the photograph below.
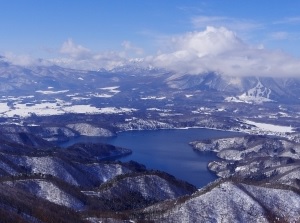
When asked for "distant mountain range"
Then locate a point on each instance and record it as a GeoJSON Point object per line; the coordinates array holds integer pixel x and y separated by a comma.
{"type": "Point", "coordinates": [17, 80]}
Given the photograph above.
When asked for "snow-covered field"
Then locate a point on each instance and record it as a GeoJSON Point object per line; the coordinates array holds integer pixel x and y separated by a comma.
{"type": "Point", "coordinates": [153, 98]}
{"type": "Point", "coordinates": [56, 108]}
{"type": "Point", "coordinates": [247, 99]}
{"type": "Point", "coordinates": [111, 89]}
{"type": "Point", "coordinates": [106, 92]}
{"type": "Point", "coordinates": [270, 127]}
{"type": "Point", "coordinates": [52, 92]}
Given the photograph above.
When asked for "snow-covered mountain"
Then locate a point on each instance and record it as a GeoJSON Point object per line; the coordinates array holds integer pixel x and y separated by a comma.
{"type": "Point", "coordinates": [257, 94]}
{"type": "Point", "coordinates": [42, 183]}
{"type": "Point", "coordinates": [259, 91]}
{"type": "Point", "coordinates": [240, 89]}
{"type": "Point", "coordinates": [255, 157]}
{"type": "Point", "coordinates": [47, 184]}
{"type": "Point", "coordinates": [18, 80]}
{"type": "Point", "coordinates": [231, 201]}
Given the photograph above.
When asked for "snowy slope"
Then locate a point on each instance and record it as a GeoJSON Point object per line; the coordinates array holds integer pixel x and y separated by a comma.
{"type": "Point", "coordinates": [86, 129]}
{"type": "Point", "coordinates": [151, 186]}
{"type": "Point", "coordinates": [257, 158]}
{"type": "Point", "coordinates": [49, 191]}
{"type": "Point", "coordinates": [231, 202]}
{"type": "Point", "coordinates": [257, 95]}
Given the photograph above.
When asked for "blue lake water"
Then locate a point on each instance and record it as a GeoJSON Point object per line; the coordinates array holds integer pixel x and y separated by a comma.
{"type": "Point", "coordinates": [167, 150]}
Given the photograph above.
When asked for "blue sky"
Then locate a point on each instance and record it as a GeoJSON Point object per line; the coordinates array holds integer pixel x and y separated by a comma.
{"type": "Point", "coordinates": [78, 28]}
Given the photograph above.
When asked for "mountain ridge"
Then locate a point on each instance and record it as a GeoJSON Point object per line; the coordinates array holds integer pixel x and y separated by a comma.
{"type": "Point", "coordinates": [40, 78]}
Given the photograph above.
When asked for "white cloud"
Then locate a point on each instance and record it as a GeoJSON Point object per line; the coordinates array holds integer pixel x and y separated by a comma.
{"type": "Point", "coordinates": [212, 41]}
{"type": "Point", "coordinates": [75, 51]}
{"type": "Point", "coordinates": [95, 61]}
{"type": "Point", "coordinates": [23, 60]}
{"type": "Point", "coordinates": [79, 57]}
{"type": "Point", "coordinates": [220, 50]}
{"type": "Point", "coordinates": [211, 50]}
{"type": "Point", "coordinates": [128, 46]}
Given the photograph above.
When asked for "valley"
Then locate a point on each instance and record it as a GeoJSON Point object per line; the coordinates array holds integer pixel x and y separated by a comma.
{"type": "Point", "coordinates": [42, 108]}
{"type": "Point", "coordinates": [149, 111]}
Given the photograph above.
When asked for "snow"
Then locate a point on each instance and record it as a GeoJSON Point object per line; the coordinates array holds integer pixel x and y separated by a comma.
{"type": "Point", "coordinates": [223, 143]}
{"type": "Point", "coordinates": [45, 165]}
{"type": "Point", "coordinates": [256, 95]}
{"type": "Point", "coordinates": [23, 110]}
{"type": "Point", "coordinates": [259, 91]}
{"type": "Point", "coordinates": [203, 110]}
{"type": "Point", "coordinates": [13, 98]}
{"type": "Point", "coordinates": [221, 109]}
{"type": "Point", "coordinates": [169, 114]}
{"type": "Point", "coordinates": [284, 203]}
{"type": "Point", "coordinates": [52, 92]}
{"type": "Point", "coordinates": [283, 114]}
{"type": "Point", "coordinates": [81, 109]}
{"type": "Point", "coordinates": [112, 89]}
{"type": "Point", "coordinates": [114, 110]}
{"type": "Point", "coordinates": [152, 98]}
{"type": "Point", "coordinates": [247, 99]}
{"type": "Point", "coordinates": [51, 192]}
{"type": "Point", "coordinates": [4, 107]}
{"type": "Point", "coordinates": [158, 109]}
{"type": "Point", "coordinates": [149, 186]}
{"type": "Point", "coordinates": [255, 99]}
{"type": "Point", "coordinates": [140, 124]}
{"type": "Point", "coordinates": [110, 92]}
{"type": "Point", "coordinates": [226, 203]}
{"type": "Point", "coordinates": [270, 127]}
{"type": "Point", "coordinates": [97, 95]}
{"type": "Point", "coordinates": [56, 108]}
{"type": "Point", "coordinates": [79, 98]}
{"type": "Point", "coordinates": [53, 133]}
{"type": "Point", "coordinates": [89, 130]}
{"type": "Point", "coordinates": [7, 168]}
{"type": "Point", "coordinates": [104, 171]}
{"type": "Point", "coordinates": [229, 202]}
{"type": "Point", "coordinates": [130, 119]}
{"type": "Point", "coordinates": [72, 95]}
{"type": "Point", "coordinates": [295, 174]}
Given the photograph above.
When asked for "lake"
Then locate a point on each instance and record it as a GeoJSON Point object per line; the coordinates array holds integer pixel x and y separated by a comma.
{"type": "Point", "coordinates": [167, 150]}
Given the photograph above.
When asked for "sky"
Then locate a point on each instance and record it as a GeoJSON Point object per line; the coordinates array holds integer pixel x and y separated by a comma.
{"type": "Point", "coordinates": [233, 37]}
